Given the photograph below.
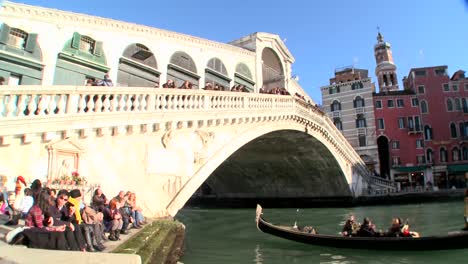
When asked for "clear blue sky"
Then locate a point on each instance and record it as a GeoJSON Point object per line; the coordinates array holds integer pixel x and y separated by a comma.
{"type": "Point", "coordinates": [321, 35]}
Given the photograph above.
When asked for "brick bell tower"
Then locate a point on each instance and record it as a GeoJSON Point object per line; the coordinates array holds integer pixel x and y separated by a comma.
{"type": "Point", "coordinates": [386, 69]}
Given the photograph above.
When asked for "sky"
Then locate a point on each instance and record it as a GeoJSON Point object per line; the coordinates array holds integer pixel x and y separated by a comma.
{"type": "Point", "coordinates": [321, 35]}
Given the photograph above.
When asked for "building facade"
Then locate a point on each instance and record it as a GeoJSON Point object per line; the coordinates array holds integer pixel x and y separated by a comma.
{"type": "Point", "coordinates": [348, 102]}
{"type": "Point", "coordinates": [49, 46]}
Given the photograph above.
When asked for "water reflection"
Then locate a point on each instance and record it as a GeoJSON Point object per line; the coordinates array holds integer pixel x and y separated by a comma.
{"type": "Point", "coordinates": [258, 255]}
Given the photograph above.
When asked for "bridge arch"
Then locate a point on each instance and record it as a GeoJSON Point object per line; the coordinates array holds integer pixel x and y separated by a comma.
{"type": "Point", "coordinates": [246, 137]}
{"type": "Point", "coordinates": [138, 67]}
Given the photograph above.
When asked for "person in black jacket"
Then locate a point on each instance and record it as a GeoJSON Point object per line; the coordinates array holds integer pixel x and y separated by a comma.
{"type": "Point", "coordinates": [367, 229]}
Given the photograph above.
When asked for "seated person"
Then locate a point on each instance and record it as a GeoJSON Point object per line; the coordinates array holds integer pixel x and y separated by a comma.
{"type": "Point", "coordinates": [395, 229]}
{"type": "Point", "coordinates": [350, 227]}
{"type": "Point", "coordinates": [407, 233]}
{"type": "Point", "coordinates": [367, 229]}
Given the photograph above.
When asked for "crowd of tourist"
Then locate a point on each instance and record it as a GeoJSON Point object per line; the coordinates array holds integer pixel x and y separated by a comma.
{"type": "Point", "coordinates": [61, 219]}
{"type": "Point", "coordinates": [368, 229]}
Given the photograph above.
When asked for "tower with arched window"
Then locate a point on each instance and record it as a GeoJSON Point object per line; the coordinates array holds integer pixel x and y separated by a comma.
{"type": "Point", "coordinates": [386, 68]}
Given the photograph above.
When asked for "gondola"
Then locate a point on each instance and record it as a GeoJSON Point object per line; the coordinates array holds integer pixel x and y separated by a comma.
{"type": "Point", "coordinates": [452, 240]}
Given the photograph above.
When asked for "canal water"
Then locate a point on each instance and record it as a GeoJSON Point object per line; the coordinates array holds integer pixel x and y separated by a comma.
{"type": "Point", "coordinates": [230, 235]}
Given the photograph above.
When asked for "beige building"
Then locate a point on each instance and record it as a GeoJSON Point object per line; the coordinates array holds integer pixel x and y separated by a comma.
{"type": "Point", "coordinates": [348, 102]}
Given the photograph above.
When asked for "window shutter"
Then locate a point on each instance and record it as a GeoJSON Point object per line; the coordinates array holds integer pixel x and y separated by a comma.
{"type": "Point", "coordinates": [31, 42]}
{"type": "Point", "coordinates": [98, 48]}
{"type": "Point", "coordinates": [5, 34]}
{"type": "Point", "coordinates": [76, 40]}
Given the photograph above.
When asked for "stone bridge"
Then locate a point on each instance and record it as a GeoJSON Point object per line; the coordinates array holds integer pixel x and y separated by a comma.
{"type": "Point", "coordinates": [164, 143]}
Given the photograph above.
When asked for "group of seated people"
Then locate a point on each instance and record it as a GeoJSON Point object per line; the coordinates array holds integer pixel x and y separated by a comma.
{"type": "Point", "coordinates": [276, 90]}
{"type": "Point", "coordinates": [171, 84]}
{"type": "Point", "coordinates": [62, 220]}
{"type": "Point", "coordinates": [368, 229]}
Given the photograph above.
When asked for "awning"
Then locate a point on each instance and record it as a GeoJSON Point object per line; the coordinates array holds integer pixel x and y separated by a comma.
{"type": "Point", "coordinates": [410, 168]}
{"type": "Point", "coordinates": [457, 168]}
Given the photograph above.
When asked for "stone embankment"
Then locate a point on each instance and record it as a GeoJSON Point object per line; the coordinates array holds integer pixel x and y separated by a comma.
{"type": "Point", "coordinates": [160, 241]}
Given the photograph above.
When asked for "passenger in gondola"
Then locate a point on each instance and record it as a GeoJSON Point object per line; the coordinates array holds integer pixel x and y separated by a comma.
{"type": "Point", "coordinates": [407, 233]}
{"type": "Point", "coordinates": [395, 229]}
{"type": "Point", "coordinates": [367, 229]}
{"type": "Point", "coordinates": [350, 227]}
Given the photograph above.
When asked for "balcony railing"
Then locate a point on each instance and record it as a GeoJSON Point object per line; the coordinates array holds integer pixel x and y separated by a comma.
{"type": "Point", "coordinates": [360, 111]}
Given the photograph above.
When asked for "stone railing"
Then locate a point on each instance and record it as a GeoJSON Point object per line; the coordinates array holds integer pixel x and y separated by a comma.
{"type": "Point", "coordinates": [36, 109]}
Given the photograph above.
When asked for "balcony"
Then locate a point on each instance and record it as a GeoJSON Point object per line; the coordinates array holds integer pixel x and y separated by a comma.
{"type": "Point", "coordinates": [362, 131]}
{"type": "Point", "coordinates": [336, 114]}
{"type": "Point", "coordinates": [414, 130]}
{"type": "Point", "coordinates": [360, 110]}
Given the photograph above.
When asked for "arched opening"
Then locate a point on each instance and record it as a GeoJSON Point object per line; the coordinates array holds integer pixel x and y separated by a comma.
{"type": "Point", "coordinates": [243, 76]}
{"type": "Point", "coordinates": [138, 67]}
{"type": "Point", "coordinates": [335, 106]}
{"type": "Point", "coordinates": [182, 68]}
{"type": "Point", "coordinates": [453, 130]}
{"type": "Point", "coordinates": [272, 70]}
{"type": "Point", "coordinates": [216, 75]}
{"type": "Point", "coordinates": [358, 102]}
{"type": "Point", "coordinates": [423, 105]}
{"type": "Point", "coordinates": [384, 156]}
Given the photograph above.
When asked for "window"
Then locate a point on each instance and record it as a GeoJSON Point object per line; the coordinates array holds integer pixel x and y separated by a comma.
{"type": "Point", "coordinates": [443, 155]}
{"type": "Point", "coordinates": [427, 133]}
{"type": "Point", "coordinates": [378, 104]}
{"type": "Point", "coordinates": [455, 154]}
{"type": "Point", "coordinates": [419, 143]}
{"type": "Point", "coordinates": [466, 86]}
{"type": "Point", "coordinates": [400, 103]}
{"type": "Point", "coordinates": [421, 89]}
{"type": "Point", "coordinates": [424, 107]}
{"type": "Point", "coordinates": [446, 87]}
{"type": "Point", "coordinates": [390, 103]}
{"type": "Point", "coordinates": [417, 123]}
{"type": "Point", "coordinates": [333, 90]}
{"type": "Point", "coordinates": [465, 153]}
{"type": "Point", "coordinates": [338, 124]}
{"type": "Point", "coordinates": [429, 155]}
{"type": "Point", "coordinates": [420, 73]}
{"type": "Point", "coordinates": [462, 130]}
{"type": "Point", "coordinates": [440, 72]}
{"type": "Point", "coordinates": [358, 102]}
{"type": "Point", "coordinates": [380, 123]}
{"type": "Point", "coordinates": [395, 144]}
{"type": "Point", "coordinates": [449, 105]}
{"type": "Point", "coordinates": [362, 140]}
{"type": "Point", "coordinates": [453, 130]}
{"type": "Point", "coordinates": [401, 122]}
{"type": "Point", "coordinates": [360, 122]}
{"type": "Point", "coordinates": [17, 38]}
{"type": "Point", "coordinates": [335, 106]}
{"type": "Point", "coordinates": [410, 123]}
{"type": "Point", "coordinates": [87, 44]}
{"type": "Point", "coordinates": [457, 104]}
{"type": "Point", "coordinates": [464, 105]}
{"type": "Point", "coordinates": [414, 102]}
{"type": "Point", "coordinates": [455, 87]}
{"type": "Point", "coordinates": [421, 159]}
{"type": "Point", "coordinates": [396, 161]}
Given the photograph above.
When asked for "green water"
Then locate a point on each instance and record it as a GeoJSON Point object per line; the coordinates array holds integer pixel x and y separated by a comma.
{"type": "Point", "coordinates": [230, 235]}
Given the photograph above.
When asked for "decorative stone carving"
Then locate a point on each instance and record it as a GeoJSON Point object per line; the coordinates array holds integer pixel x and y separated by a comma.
{"type": "Point", "coordinates": [166, 138]}
{"type": "Point", "coordinates": [64, 157]}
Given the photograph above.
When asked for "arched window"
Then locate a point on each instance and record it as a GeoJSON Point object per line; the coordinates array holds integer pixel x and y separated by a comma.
{"type": "Point", "coordinates": [443, 155]}
{"type": "Point", "coordinates": [182, 68]}
{"type": "Point", "coordinates": [427, 133]}
{"type": "Point", "coordinates": [216, 74]}
{"type": "Point", "coordinates": [464, 104]}
{"type": "Point", "coordinates": [465, 153]}
{"type": "Point", "coordinates": [449, 105]}
{"type": "Point", "coordinates": [457, 104]}
{"type": "Point", "coordinates": [453, 130]}
{"type": "Point", "coordinates": [429, 156]}
{"type": "Point", "coordinates": [423, 107]}
{"type": "Point", "coordinates": [455, 154]}
{"type": "Point", "coordinates": [335, 106]}
{"type": "Point", "coordinates": [243, 76]}
{"type": "Point", "coordinates": [358, 102]}
{"type": "Point", "coordinates": [138, 67]}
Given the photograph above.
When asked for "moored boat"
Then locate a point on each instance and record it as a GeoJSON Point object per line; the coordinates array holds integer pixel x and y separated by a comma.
{"type": "Point", "coordinates": [451, 240]}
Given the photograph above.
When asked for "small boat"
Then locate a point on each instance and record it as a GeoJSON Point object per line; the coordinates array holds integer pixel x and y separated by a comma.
{"type": "Point", "coordinates": [452, 240]}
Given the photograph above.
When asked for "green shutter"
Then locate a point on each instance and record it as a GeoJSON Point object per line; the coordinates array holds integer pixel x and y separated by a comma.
{"type": "Point", "coordinates": [76, 40]}
{"type": "Point", "coordinates": [31, 42]}
{"type": "Point", "coordinates": [98, 48]}
{"type": "Point", "coordinates": [5, 34]}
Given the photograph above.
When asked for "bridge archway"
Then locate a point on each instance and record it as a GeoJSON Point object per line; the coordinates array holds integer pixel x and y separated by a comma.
{"type": "Point", "coordinates": [330, 177]}
{"type": "Point", "coordinates": [272, 70]}
{"type": "Point", "coordinates": [138, 67]}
